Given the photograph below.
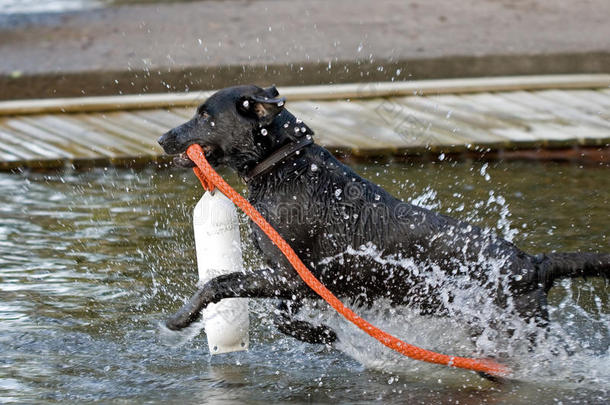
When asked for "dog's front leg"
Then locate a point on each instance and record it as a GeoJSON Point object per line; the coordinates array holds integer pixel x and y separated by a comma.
{"type": "Point", "coordinates": [257, 284]}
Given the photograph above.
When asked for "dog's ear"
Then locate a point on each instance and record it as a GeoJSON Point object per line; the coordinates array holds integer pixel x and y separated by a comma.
{"type": "Point", "coordinates": [265, 109]}
{"type": "Point", "coordinates": [272, 91]}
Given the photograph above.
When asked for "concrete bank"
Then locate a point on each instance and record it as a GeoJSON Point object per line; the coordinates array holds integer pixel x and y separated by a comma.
{"type": "Point", "coordinates": [154, 48]}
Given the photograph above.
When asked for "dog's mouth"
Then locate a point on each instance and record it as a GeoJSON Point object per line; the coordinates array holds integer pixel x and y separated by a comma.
{"type": "Point", "coordinates": [182, 159]}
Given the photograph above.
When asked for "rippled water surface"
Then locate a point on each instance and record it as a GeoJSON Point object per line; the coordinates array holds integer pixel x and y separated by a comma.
{"type": "Point", "coordinates": [91, 263]}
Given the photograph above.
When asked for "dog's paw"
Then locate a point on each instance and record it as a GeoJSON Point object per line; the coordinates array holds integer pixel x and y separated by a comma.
{"type": "Point", "coordinates": [182, 319]}
{"type": "Point", "coordinates": [176, 323]}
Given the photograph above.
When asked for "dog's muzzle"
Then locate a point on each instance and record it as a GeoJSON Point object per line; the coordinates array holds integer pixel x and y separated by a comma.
{"type": "Point", "coordinates": [168, 143]}
{"type": "Point", "coordinates": [171, 147]}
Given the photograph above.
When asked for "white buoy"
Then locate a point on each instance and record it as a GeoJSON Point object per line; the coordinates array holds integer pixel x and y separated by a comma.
{"type": "Point", "coordinates": [218, 245]}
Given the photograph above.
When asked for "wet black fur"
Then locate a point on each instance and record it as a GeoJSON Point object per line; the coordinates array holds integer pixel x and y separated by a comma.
{"type": "Point", "coordinates": [323, 209]}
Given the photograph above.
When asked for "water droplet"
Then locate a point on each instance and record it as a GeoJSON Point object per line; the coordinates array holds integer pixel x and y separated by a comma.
{"type": "Point", "coordinates": [314, 167]}
{"type": "Point", "coordinates": [263, 132]}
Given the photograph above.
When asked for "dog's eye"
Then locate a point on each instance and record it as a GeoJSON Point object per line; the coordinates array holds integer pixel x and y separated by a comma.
{"type": "Point", "coordinates": [202, 112]}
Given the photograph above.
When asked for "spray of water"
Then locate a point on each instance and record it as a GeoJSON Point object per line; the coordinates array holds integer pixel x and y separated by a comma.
{"type": "Point", "coordinates": [574, 349]}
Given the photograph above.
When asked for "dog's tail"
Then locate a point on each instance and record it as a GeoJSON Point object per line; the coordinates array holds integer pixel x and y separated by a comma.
{"type": "Point", "coordinates": [561, 265]}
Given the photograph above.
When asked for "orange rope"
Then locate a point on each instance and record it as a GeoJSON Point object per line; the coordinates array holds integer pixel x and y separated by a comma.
{"type": "Point", "coordinates": [209, 178]}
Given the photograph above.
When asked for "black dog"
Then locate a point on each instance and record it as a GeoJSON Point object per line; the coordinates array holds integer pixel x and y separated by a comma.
{"type": "Point", "coordinates": [352, 234]}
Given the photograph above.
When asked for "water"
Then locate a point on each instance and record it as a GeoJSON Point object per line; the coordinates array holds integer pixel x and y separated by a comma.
{"type": "Point", "coordinates": [52, 6]}
{"type": "Point", "coordinates": [91, 263]}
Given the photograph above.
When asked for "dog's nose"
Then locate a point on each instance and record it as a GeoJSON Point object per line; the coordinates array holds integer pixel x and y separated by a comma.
{"type": "Point", "coordinates": [168, 142]}
{"type": "Point", "coordinates": [163, 138]}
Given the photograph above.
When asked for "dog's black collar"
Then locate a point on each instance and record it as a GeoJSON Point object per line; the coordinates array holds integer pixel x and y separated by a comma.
{"type": "Point", "coordinates": [277, 156]}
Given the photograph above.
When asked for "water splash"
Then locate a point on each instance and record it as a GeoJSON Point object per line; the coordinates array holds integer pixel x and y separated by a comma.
{"type": "Point", "coordinates": [574, 350]}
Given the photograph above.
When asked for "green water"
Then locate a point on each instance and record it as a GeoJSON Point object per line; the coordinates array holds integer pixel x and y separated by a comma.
{"type": "Point", "coordinates": [91, 263]}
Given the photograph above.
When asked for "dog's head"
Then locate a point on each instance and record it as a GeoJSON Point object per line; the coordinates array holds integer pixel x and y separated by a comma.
{"type": "Point", "coordinates": [236, 127]}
